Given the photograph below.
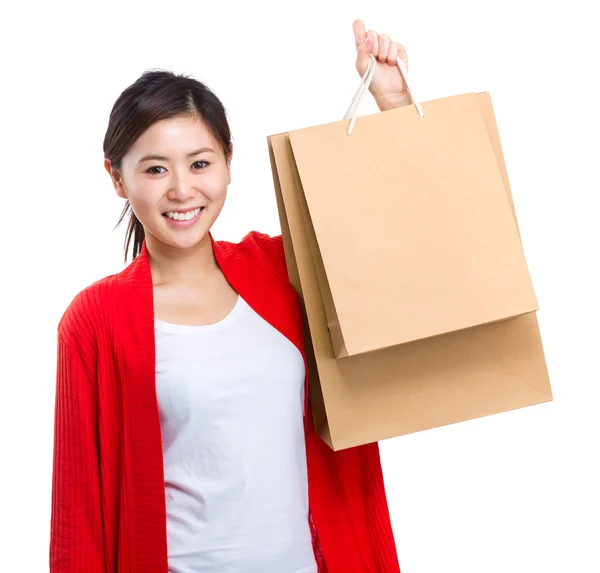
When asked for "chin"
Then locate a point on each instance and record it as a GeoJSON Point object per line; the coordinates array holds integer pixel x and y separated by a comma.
{"type": "Point", "coordinates": [187, 242]}
{"type": "Point", "coordinates": [181, 240]}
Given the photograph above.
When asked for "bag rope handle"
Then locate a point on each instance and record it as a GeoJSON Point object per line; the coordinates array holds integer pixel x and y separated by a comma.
{"type": "Point", "coordinates": [365, 82]}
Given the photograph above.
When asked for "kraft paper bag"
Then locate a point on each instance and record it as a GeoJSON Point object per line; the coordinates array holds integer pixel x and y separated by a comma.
{"type": "Point", "coordinates": [410, 224]}
{"type": "Point", "coordinates": [431, 382]}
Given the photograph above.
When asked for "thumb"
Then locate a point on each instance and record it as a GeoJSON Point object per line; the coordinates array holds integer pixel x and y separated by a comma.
{"type": "Point", "coordinates": [362, 54]}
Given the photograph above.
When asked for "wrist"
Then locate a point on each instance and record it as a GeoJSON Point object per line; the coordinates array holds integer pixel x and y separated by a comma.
{"type": "Point", "coordinates": [392, 101]}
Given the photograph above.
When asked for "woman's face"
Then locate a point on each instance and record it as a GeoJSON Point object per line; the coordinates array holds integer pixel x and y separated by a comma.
{"type": "Point", "coordinates": [175, 166]}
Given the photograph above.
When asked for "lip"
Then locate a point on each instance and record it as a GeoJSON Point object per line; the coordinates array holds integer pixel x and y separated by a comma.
{"type": "Point", "coordinates": [182, 224]}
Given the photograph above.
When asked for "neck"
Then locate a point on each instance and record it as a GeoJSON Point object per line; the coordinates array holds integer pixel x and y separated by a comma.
{"type": "Point", "coordinates": [180, 265]}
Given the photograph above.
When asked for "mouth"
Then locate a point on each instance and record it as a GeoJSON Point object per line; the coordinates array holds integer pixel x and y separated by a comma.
{"type": "Point", "coordinates": [183, 218]}
{"type": "Point", "coordinates": [182, 215]}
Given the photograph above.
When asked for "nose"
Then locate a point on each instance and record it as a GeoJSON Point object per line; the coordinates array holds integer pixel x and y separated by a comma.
{"type": "Point", "coordinates": [182, 188]}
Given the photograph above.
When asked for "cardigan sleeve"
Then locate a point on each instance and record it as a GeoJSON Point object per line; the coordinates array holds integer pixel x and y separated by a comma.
{"type": "Point", "coordinates": [76, 538]}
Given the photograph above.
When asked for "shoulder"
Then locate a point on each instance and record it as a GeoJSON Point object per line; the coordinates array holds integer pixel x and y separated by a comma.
{"type": "Point", "coordinates": [264, 245]}
{"type": "Point", "coordinates": [81, 319]}
{"type": "Point", "coordinates": [264, 251]}
{"type": "Point", "coordinates": [259, 247]}
{"type": "Point", "coordinates": [256, 243]}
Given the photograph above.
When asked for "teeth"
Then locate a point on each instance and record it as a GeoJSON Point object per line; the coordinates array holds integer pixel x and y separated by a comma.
{"type": "Point", "coordinates": [183, 216]}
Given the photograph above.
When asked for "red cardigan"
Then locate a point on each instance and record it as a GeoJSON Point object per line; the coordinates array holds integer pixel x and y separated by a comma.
{"type": "Point", "coordinates": [108, 496]}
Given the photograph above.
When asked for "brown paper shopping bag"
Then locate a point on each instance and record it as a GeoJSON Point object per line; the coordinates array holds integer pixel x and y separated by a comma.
{"type": "Point", "coordinates": [410, 224]}
{"type": "Point", "coordinates": [404, 388]}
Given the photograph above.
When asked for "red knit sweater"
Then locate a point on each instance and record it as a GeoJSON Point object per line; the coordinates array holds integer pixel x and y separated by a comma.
{"type": "Point", "coordinates": [108, 496]}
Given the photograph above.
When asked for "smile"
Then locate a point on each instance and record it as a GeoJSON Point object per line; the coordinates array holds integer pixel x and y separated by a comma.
{"type": "Point", "coordinates": [177, 216]}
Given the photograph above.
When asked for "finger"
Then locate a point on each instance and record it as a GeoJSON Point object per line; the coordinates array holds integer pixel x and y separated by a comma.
{"type": "Point", "coordinates": [384, 48]}
{"type": "Point", "coordinates": [362, 54]}
{"type": "Point", "coordinates": [358, 27]}
{"type": "Point", "coordinates": [375, 43]}
{"type": "Point", "coordinates": [402, 55]}
{"type": "Point", "coordinates": [392, 54]}
{"type": "Point", "coordinates": [397, 51]}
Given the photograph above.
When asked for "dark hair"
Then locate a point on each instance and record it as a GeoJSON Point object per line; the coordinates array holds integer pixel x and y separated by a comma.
{"type": "Point", "coordinates": [156, 95]}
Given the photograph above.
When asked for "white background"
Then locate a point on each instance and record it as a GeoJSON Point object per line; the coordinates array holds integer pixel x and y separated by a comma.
{"type": "Point", "coordinates": [512, 492]}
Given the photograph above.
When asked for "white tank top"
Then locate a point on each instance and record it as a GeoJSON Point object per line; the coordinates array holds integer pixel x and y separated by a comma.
{"type": "Point", "coordinates": [231, 397]}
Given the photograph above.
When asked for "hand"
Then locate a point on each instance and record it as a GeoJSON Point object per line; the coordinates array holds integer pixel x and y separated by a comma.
{"type": "Point", "coordinates": [387, 85]}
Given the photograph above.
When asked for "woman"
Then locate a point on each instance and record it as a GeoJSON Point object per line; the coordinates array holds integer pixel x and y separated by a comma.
{"type": "Point", "coordinates": [183, 435]}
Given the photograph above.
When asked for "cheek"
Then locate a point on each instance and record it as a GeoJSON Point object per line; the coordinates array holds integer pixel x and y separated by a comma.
{"type": "Point", "coordinates": [143, 196]}
{"type": "Point", "coordinates": [215, 187]}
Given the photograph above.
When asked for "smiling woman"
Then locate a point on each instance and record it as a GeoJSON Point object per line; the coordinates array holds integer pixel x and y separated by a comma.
{"type": "Point", "coordinates": [183, 433]}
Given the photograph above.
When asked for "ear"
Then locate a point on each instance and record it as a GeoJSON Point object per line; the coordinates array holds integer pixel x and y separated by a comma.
{"type": "Point", "coordinates": [117, 181]}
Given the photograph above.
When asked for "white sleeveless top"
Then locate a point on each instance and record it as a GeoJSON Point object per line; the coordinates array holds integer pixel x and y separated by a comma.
{"type": "Point", "coordinates": [231, 399]}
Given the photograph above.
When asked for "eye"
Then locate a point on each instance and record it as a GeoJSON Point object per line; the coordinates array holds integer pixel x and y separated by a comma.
{"type": "Point", "coordinates": [150, 169]}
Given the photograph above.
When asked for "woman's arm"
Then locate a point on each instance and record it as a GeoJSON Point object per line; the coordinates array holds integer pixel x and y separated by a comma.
{"type": "Point", "coordinates": [76, 537]}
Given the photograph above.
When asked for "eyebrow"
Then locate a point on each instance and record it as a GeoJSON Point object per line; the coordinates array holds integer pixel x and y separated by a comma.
{"type": "Point", "coordinates": [163, 158]}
